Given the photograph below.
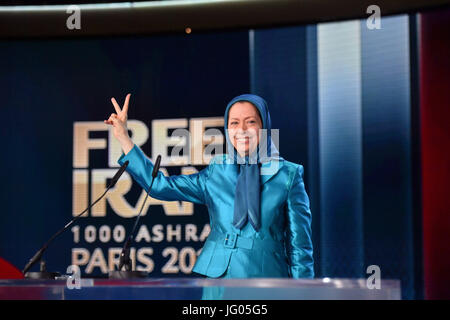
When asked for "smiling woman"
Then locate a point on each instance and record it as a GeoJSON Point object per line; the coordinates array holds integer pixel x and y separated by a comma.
{"type": "Point", "coordinates": [244, 126]}
{"type": "Point", "coordinates": [258, 207]}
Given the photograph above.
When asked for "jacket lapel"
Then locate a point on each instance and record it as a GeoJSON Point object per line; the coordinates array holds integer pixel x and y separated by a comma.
{"type": "Point", "coordinates": [270, 169]}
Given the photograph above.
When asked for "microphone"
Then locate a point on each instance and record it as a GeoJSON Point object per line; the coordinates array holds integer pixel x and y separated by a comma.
{"type": "Point", "coordinates": [156, 167]}
{"type": "Point", "coordinates": [46, 275]}
{"type": "Point", "coordinates": [125, 254]}
{"type": "Point", "coordinates": [117, 175]}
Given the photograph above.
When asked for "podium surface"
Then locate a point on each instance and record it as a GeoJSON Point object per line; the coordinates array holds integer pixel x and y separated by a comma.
{"type": "Point", "coordinates": [195, 288]}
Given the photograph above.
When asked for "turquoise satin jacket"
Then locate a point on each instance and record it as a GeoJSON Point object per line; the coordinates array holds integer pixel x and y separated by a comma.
{"type": "Point", "coordinates": [283, 245]}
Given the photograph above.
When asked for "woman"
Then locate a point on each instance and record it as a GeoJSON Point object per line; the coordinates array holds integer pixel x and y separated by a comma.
{"type": "Point", "coordinates": [258, 207]}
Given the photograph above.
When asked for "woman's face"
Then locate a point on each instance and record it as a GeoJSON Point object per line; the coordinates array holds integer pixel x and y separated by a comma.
{"type": "Point", "coordinates": [243, 127]}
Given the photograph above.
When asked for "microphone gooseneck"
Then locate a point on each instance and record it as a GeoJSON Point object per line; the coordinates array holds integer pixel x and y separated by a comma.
{"type": "Point", "coordinates": [125, 254]}
{"type": "Point", "coordinates": [38, 255]}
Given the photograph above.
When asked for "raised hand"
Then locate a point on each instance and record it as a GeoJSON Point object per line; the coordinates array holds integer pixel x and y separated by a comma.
{"type": "Point", "coordinates": [119, 122]}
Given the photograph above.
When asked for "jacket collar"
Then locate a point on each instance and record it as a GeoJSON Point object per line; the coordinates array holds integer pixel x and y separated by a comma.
{"type": "Point", "coordinates": [270, 169]}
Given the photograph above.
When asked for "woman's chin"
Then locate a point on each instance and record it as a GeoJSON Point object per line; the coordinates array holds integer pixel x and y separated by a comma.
{"type": "Point", "coordinates": [244, 149]}
{"type": "Point", "coordinates": [245, 152]}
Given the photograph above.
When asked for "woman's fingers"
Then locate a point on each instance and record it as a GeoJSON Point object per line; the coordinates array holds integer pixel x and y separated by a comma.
{"type": "Point", "coordinates": [111, 119]}
{"type": "Point", "coordinates": [125, 105]}
{"type": "Point", "coordinates": [116, 105]}
{"type": "Point", "coordinates": [121, 114]}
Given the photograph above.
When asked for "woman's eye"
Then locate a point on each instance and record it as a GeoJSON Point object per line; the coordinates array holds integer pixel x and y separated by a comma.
{"type": "Point", "coordinates": [233, 123]}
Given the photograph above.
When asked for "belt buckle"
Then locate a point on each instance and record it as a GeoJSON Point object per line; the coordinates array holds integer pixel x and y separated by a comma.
{"type": "Point", "coordinates": [230, 240]}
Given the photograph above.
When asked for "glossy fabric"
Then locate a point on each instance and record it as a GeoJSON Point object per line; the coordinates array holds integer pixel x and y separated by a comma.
{"type": "Point", "coordinates": [281, 248]}
{"type": "Point", "coordinates": [248, 196]}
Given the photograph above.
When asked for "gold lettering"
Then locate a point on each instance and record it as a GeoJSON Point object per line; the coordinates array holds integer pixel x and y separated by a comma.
{"type": "Point", "coordinates": [82, 143]}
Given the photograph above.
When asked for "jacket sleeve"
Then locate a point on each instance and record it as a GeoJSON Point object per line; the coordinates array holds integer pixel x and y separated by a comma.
{"type": "Point", "coordinates": [182, 187]}
{"type": "Point", "coordinates": [299, 247]}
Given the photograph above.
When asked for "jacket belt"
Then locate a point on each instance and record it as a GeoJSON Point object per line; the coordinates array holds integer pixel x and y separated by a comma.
{"type": "Point", "coordinates": [232, 240]}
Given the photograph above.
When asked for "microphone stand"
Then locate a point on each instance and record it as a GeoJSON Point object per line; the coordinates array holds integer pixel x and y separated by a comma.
{"type": "Point", "coordinates": [125, 260]}
{"type": "Point", "coordinates": [43, 273]}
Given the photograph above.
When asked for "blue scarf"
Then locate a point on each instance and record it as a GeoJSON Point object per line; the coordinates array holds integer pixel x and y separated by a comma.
{"type": "Point", "coordinates": [247, 196]}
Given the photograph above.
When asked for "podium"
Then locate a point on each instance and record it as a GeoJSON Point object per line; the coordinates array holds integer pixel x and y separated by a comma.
{"type": "Point", "coordinates": [195, 289]}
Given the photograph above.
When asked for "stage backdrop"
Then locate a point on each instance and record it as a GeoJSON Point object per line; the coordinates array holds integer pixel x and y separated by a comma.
{"type": "Point", "coordinates": [340, 94]}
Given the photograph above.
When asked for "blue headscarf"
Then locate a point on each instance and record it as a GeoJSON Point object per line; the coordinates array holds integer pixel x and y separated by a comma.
{"type": "Point", "coordinates": [247, 196]}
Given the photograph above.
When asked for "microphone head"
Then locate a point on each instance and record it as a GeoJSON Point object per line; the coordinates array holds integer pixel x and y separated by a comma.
{"type": "Point", "coordinates": [156, 166]}
{"type": "Point", "coordinates": [118, 174]}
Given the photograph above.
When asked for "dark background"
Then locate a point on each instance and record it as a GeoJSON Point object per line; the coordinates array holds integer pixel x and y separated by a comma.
{"type": "Point", "coordinates": [371, 186]}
